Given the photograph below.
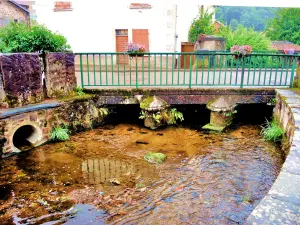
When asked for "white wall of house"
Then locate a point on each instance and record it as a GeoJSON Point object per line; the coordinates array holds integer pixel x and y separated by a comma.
{"type": "Point", "coordinates": [91, 25]}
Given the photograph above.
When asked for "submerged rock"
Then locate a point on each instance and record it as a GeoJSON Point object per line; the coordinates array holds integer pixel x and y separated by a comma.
{"type": "Point", "coordinates": [142, 142]}
{"type": "Point", "coordinates": [114, 181]}
{"type": "Point", "coordinates": [156, 158]}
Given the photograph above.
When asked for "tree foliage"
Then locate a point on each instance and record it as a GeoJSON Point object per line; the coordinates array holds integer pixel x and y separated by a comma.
{"type": "Point", "coordinates": [202, 24]}
{"type": "Point", "coordinates": [286, 25]}
{"type": "Point", "coordinates": [18, 37]}
{"type": "Point", "coordinates": [244, 36]}
{"type": "Point", "coordinates": [250, 17]}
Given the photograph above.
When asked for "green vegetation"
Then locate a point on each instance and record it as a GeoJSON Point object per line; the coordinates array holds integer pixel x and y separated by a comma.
{"type": "Point", "coordinates": [169, 116]}
{"type": "Point", "coordinates": [139, 185]}
{"type": "Point", "coordinates": [244, 36]}
{"type": "Point", "coordinates": [285, 25]}
{"type": "Point", "coordinates": [79, 91]}
{"type": "Point", "coordinates": [272, 131]}
{"type": "Point", "coordinates": [155, 158]}
{"type": "Point", "coordinates": [157, 117]}
{"type": "Point", "coordinates": [250, 17]}
{"type": "Point", "coordinates": [60, 133]}
{"type": "Point", "coordinates": [143, 115]}
{"type": "Point", "coordinates": [174, 116]}
{"type": "Point", "coordinates": [202, 24]}
{"type": "Point", "coordinates": [103, 112]}
{"type": "Point", "coordinates": [18, 37]}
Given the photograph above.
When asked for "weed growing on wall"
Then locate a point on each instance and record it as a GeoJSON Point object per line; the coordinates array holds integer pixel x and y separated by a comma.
{"type": "Point", "coordinates": [272, 131]}
{"type": "Point", "coordinates": [60, 133]}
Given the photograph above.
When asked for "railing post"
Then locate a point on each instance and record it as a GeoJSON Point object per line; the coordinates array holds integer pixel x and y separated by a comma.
{"type": "Point", "coordinates": [243, 72]}
{"type": "Point", "coordinates": [293, 71]}
{"type": "Point", "coordinates": [81, 71]}
{"type": "Point", "coordinates": [136, 73]}
{"type": "Point", "coordinates": [191, 71]}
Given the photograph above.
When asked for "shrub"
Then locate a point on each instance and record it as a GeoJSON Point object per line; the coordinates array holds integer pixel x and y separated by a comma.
{"type": "Point", "coordinates": [18, 37]}
{"type": "Point", "coordinates": [272, 131]}
{"type": "Point", "coordinates": [60, 133]}
{"type": "Point", "coordinates": [244, 36]}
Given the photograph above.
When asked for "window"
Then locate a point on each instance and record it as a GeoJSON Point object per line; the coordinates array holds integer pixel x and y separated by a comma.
{"type": "Point", "coordinates": [121, 32]}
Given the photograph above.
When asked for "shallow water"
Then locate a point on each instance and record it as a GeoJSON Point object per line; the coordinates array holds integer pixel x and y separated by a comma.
{"type": "Point", "coordinates": [206, 179]}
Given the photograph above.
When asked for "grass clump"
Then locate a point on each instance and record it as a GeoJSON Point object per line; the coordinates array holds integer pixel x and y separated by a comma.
{"type": "Point", "coordinates": [155, 158]}
{"type": "Point", "coordinates": [272, 131]}
{"type": "Point", "coordinates": [60, 133]}
{"type": "Point", "coordinates": [79, 91]}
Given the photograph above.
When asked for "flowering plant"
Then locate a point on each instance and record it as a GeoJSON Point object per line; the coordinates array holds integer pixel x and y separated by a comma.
{"type": "Point", "coordinates": [135, 49]}
{"type": "Point", "coordinates": [241, 51]}
{"type": "Point", "coordinates": [289, 51]}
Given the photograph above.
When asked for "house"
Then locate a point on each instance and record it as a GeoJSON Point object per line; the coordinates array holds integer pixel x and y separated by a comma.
{"type": "Point", "coordinates": [285, 45]}
{"type": "Point", "coordinates": [217, 24]}
{"type": "Point", "coordinates": [107, 26]}
{"type": "Point", "coordinates": [13, 11]}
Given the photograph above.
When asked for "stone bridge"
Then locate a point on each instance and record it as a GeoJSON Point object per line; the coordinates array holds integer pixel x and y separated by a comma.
{"type": "Point", "coordinates": [32, 124]}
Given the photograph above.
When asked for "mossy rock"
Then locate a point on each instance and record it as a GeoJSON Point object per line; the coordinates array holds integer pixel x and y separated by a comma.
{"type": "Point", "coordinates": [153, 103]}
{"type": "Point", "coordinates": [156, 158]}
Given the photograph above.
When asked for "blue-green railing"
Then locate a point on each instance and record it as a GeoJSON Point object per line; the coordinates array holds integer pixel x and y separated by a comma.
{"type": "Point", "coordinates": [185, 69]}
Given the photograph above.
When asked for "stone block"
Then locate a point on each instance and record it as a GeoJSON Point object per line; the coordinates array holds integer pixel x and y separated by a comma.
{"type": "Point", "coordinates": [60, 74]}
{"type": "Point", "coordinates": [21, 79]}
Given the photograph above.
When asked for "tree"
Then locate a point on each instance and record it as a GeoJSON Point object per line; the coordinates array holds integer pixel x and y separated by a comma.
{"type": "Point", "coordinates": [18, 37]}
{"type": "Point", "coordinates": [285, 26]}
{"type": "Point", "coordinates": [250, 17]}
{"type": "Point", "coordinates": [202, 24]}
{"type": "Point", "coordinates": [234, 24]}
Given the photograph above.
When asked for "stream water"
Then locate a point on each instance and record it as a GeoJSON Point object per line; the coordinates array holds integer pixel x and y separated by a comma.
{"type": "Point", "coordinates": [206, 179]}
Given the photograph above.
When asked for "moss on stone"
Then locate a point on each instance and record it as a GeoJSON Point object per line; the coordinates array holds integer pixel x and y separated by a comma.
{"type": "Point", "coordinates": [11, 100]}
{"type": "Point", "coordinates": [213, 128]}
{"type": "Point", "coordinates": [145, 104]}
{"type": "Point", "coordinates": [74, 97]}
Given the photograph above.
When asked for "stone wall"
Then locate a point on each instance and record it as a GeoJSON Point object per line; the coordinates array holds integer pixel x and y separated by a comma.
{"type": "Point", "coordinates": [78, 115]}
{"type": "Point", "coordinates": [60, 74]}
{"type": "Point", "coordinates": [21, 79]}
{"type": "Point", "coordinates": [10, 11]}
{"type": "Point", "coordinates": [282, 203]}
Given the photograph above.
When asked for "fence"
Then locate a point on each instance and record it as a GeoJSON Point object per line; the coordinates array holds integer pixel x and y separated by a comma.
{"type": "Point", "coordinates": [193, 69]}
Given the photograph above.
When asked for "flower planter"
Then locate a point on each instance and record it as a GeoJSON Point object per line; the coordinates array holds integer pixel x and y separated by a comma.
{"type": "Point", "coordinates": [136, 54]}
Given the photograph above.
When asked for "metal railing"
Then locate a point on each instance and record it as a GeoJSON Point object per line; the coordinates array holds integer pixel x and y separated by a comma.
{"type": "Point", "coordinates": [220, 69]}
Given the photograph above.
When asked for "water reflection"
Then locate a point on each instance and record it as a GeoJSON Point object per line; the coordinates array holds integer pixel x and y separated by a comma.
{"type": "Point", "coordinates": [97, 171]}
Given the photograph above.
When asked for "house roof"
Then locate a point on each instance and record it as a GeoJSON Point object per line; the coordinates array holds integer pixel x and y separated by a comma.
{"type": "Point", "coordinates": [282, 45]}
{"type": "Point", "coordinates": [22, 7]}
